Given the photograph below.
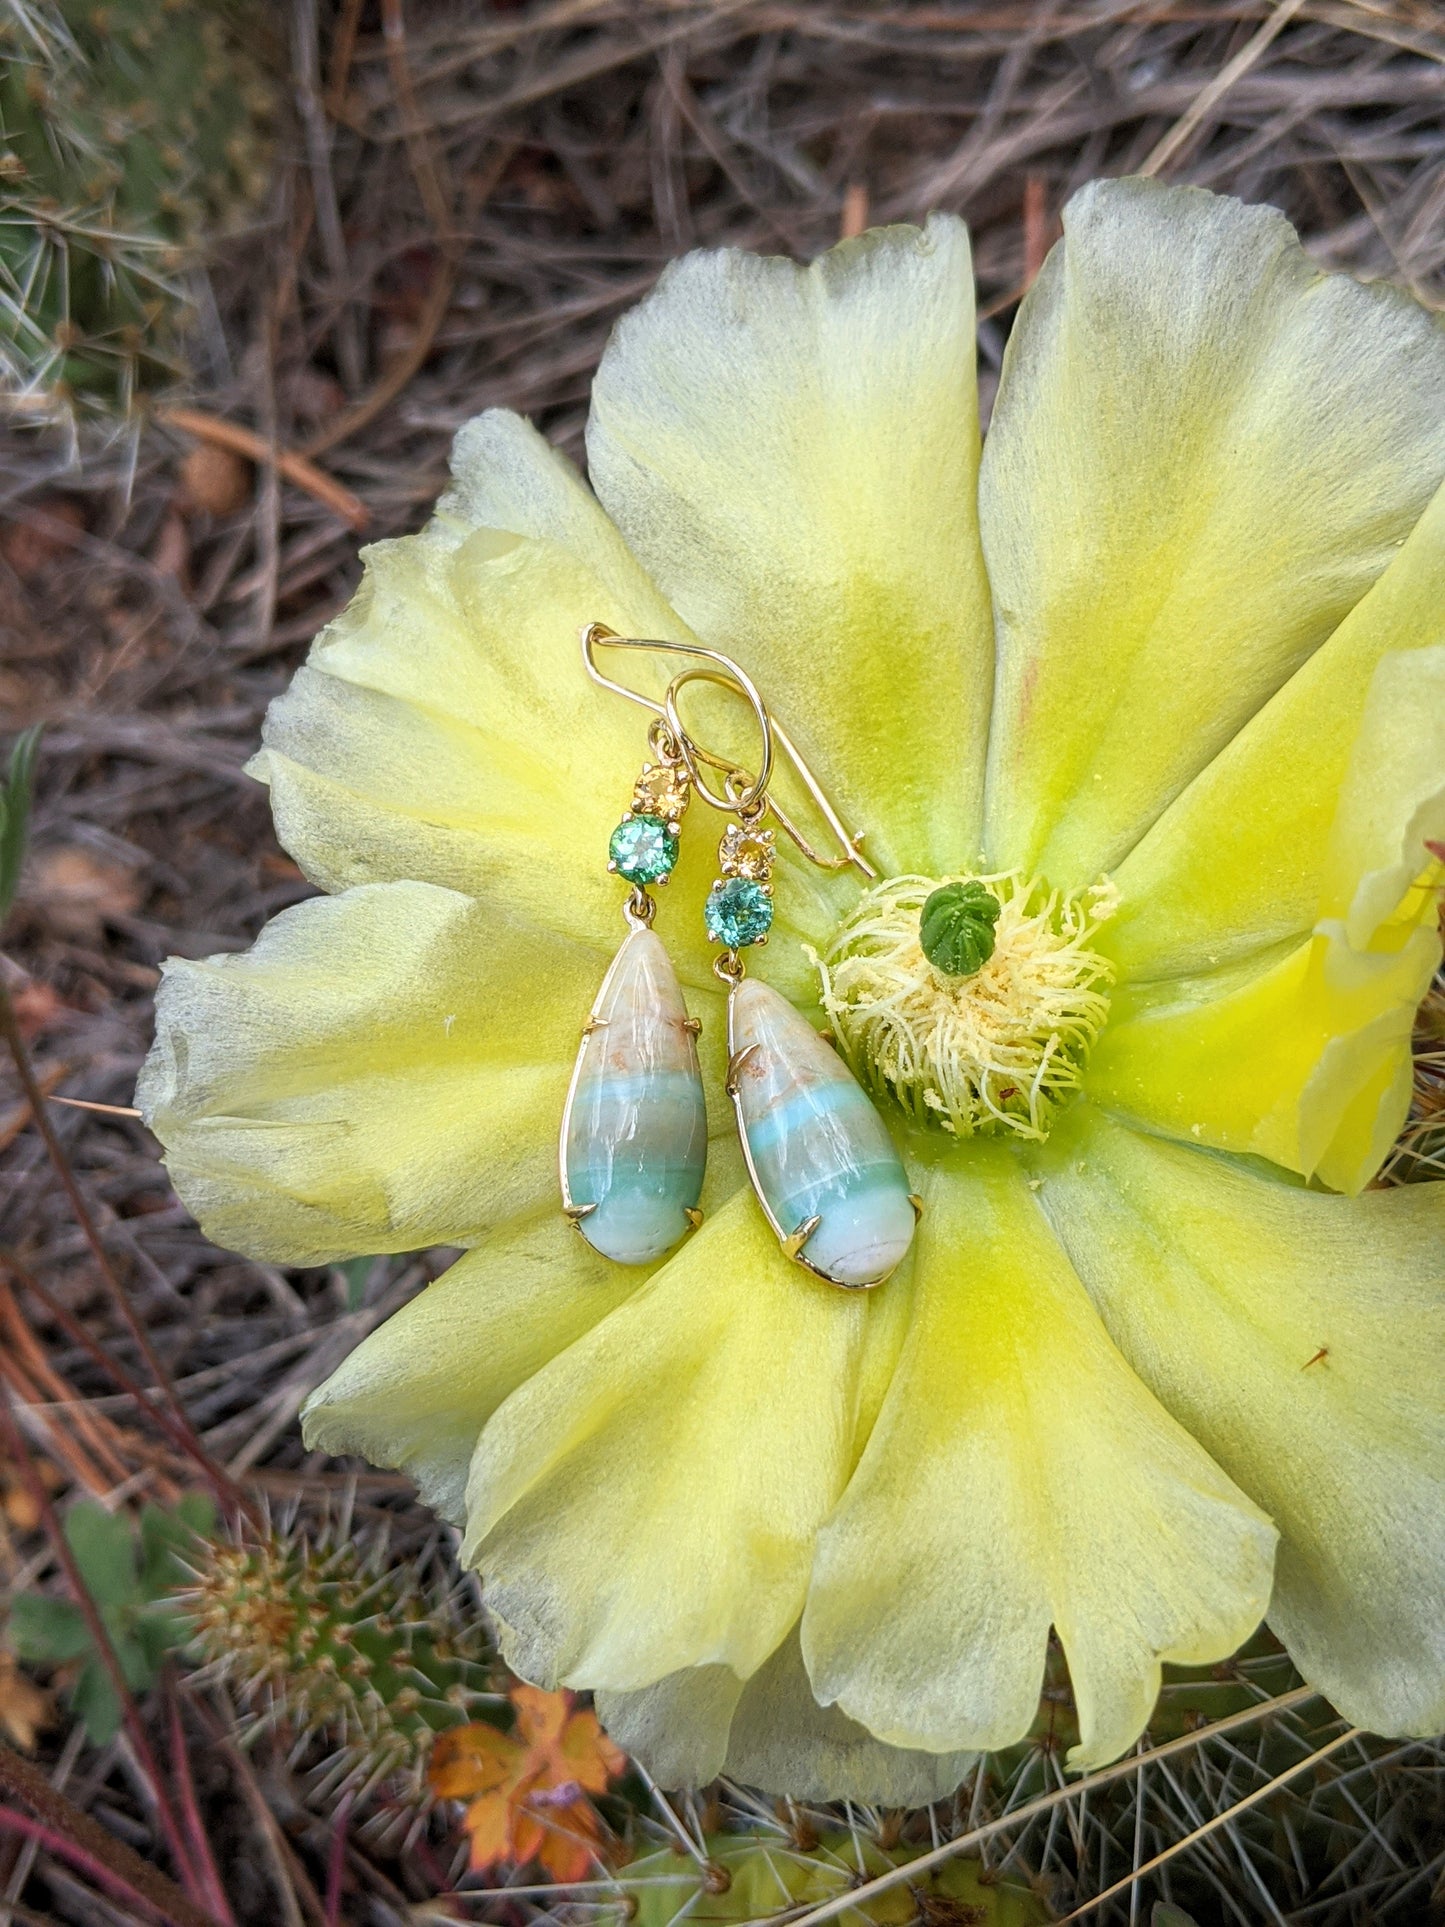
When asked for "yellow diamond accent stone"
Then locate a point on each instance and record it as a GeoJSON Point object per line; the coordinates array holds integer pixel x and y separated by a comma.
{"type": "Point", "coordinates": [661, 790]}
{"type": "Point", "coordinates": [747, 853]}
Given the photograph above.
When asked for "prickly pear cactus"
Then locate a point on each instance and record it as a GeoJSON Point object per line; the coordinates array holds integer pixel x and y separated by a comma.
{"type": "Point", "coordinates": [325, 1639]}
{"type": "Point", "coordinates": [752, 1877]}
{"type": "Point", "coordinates": [130, 132]}
{"type": "Point", "coordinates": [1364, 1819]}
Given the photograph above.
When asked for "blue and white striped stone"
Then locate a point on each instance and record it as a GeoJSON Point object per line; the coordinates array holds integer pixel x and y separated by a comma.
{"type": "Point", "coordinates": [634, 1136]}
{"type": "Point", "coordinates": [817, 1146]}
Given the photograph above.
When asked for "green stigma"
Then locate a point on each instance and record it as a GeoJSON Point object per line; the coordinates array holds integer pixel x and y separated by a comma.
{"type": "Point", "coordinates": [956, 928]}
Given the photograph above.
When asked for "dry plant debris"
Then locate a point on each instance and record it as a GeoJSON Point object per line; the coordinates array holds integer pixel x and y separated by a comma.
{"type": "Point", "coordinates": [526, 1791]}
{"type": "Point", "coordinates": [465, 198]}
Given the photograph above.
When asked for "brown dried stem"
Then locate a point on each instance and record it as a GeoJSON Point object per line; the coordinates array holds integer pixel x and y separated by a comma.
{"type": "Point", "coordinates": [97, 1847]}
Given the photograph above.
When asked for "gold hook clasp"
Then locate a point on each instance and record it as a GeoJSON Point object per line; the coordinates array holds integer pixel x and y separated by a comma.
{"type": "Point", "coordinates": [747, 795]}
{"type": "Point", "coordinates": [742, 793]}
{"type": "Point", "coordinates": [728, 674]}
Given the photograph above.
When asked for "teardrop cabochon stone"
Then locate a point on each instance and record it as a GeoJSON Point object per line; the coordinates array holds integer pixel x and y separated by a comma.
{"type": "Point", "coordinates": [817, 1146]}
{"type": "Point", "coordinates": [634, 1133]}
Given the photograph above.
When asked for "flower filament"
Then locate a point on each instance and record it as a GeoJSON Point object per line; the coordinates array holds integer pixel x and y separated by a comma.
{"type": "Point", "coordinates": [996, 1051]}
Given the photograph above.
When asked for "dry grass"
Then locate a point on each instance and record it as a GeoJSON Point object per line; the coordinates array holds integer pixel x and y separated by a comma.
{"type": "Point", "coordinates": [469, 197]}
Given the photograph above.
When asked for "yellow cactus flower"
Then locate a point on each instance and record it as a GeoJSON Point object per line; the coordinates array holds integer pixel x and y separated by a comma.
{"type": "Point", "coordinates": [1161, 667]}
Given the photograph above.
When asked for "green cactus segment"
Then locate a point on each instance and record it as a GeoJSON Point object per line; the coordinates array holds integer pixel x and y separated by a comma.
{"type": "Point", "coordinates": [956, 928]}
{"type": "Point", "coordinates": [752, 1876]}
{"type": "Point", "coordinates": [128, 134]}
{"type": "Point", "coordinates": [328, 1640]}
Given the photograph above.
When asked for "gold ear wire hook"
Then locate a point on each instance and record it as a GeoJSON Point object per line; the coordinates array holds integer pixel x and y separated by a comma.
{"type": "Point", "coordinates": [743, 793]}
{"type": "Point", "coordinates": [848, 840]}
{"type": "Point", "coordinates": [740, 792]}
{"type": "Point", "coordinates": [728, 674]}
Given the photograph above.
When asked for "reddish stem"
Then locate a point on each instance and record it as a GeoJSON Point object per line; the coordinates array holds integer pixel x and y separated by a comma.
{"type": "Point", "coordinates": [84, 1862]}
{"type": "Point", "coordinates": [15, 1042]}
{"type": "Point", "coordinates": [100, 1637]}
{"type": "Point", "coordinates": [208, 1879]}
{"type": "Point", "coordinates": [336, 1863]}
{"type": "Point", "coordinates": [182, 1437]}
{"type": "Point", "coordinates": [63, 1828]}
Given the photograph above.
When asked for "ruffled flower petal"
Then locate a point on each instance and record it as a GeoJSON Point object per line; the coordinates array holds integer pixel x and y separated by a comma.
{"type": "Point", "coordinates": [1019, 1476]}
{"type": "Point", "coordinates": [417, 1392]}
{"type": "Point", "coordinates": [1203, 453]}
{"type": "Point", "coordinates": [1237, 863]}
{"type": "Point", "coordinates": [649, 1500]}
{"type": "Point", "coordinates": [382, 1071]}
{"type": "Point", "coordinates": [1303, 1056]}
{"type": "Point", "coordinates": [770, 1732]}
{"type": "Point", "coordinates": [443, 727]}
{"type": "Point", "coordinates": [1382, 876]}
{"type": "Point", "coordinates": [792, 452]}
{"type": "Point", "coordinates": [1300, 1338]}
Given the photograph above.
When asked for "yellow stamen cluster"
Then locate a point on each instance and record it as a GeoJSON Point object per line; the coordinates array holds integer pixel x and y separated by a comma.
{"type": "Point", "coordinates": [994, 1052]}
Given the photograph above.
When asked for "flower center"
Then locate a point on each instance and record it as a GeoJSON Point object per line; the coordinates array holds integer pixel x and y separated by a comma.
{"type": "Point", "coordinates": [996, 1050]}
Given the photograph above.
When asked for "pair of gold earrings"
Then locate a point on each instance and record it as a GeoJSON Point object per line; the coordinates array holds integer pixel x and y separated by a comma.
{"type": "Point", "coordinates": [634, 1129]}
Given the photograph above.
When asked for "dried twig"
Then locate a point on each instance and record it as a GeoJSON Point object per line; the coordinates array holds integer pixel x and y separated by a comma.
{"type": "Point", "coordinates": [867, 1890]}
{"type": "Point", "coordinates": [64, 1828]}
{"type": "Point", "coordinates": [296, 468]}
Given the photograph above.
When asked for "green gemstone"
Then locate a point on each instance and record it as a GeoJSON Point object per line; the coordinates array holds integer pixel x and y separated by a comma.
{"type": "Point", "coordinates": [643, 849]}
{"type": "Point", "coordinates": [737, 912]}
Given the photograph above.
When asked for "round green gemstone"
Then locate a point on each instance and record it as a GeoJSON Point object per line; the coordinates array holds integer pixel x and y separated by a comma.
{"type": "Point", "coordinates": [643, 849]}
{"type": "Point", "coordinates": [737, 912]}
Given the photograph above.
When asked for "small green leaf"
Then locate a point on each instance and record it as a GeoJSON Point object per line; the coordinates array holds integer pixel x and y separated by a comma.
{"type": "Point", "coordinates": [104, 1549]}
{"type": "Point", "coordinates": [96, 1702]}
{"type": "Point", "coordinates": [130, 1576]}
{"type": "Point", "coordinates": [15, 794]}
{"type": "Point", "coordinates": [47, 1629]}
{"type": "Point", "coordinates": [956, 928]}
{"type": "Point", "coordinates": [1165, 1914]}
{"type": "Point", "coordinates": [157, 1630]}
{"type": "Point", "coordinates": [168, 1541]}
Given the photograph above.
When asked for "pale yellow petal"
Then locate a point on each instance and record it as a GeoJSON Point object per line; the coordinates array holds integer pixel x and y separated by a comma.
{"type": "Point", "coordinates": [1302, 1054]}
{"type": "Point", "coordinates": [770, 1732]}
{"type": "Point", "coordinates": [1019, 1476]}
{"type": "Point", "coordinates": [1301, 1339]}
{"type": "Point", "coordinates": [648, 1501]}
{"type": "Point", "coordinates": [1304, 1060]}
{"type": "Point", "coordinates": [1203, 453]}
{"type": "Point", "coordinates": [793, 452]}
{"type": "Point", "coordinates": [1238, 862]}
{"type": "Point", "coordinates": [416, 1393]}
{"type": "Point", "coordinates": [677, 1727]}
{"type": "Point", "coordinates": [382, 1071]}
{"type": "Point", "coordinates": [443, 727]}
{"type": "Point", "coordinates": [1382, 877]}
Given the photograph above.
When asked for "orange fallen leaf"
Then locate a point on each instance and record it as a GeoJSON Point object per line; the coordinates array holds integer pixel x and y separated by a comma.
{"type": "Point", "coordinates": [526, 1791]}
{"type": "Point", "coordinates": [25, 1710]}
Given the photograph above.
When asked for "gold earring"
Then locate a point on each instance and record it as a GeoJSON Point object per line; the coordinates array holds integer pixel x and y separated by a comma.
{"type": "Point", "coordinates": [822, 1164]}
{"type": "Point", "coordinates": [632, 1149]}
